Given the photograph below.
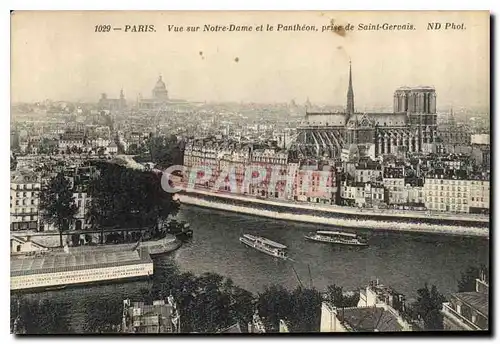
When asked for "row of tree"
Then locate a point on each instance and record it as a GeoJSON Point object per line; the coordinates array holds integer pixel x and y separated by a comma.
{"type": "Point", "coordinates": [128, 198]}
{"type": "Point", "coordinates": [120, 198]}
{"type": "Point", "coordinates": [164, 151]}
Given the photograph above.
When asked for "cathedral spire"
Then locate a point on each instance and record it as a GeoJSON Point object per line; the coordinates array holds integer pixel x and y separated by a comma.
{"type": "Point", "coordinates": [350, 93]}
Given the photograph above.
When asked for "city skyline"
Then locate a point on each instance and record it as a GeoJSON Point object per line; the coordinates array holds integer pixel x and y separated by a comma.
{"type": "Point", "coordinates": [254, 157]}
{"type": "Point", "coordinates": [220, 67]}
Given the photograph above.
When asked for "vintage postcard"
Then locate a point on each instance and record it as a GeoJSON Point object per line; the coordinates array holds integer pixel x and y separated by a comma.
{"type": "Point", "coordinates": [249, 172]}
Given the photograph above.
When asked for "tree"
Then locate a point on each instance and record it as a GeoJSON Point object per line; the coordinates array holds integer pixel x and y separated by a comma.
{"type": "Point", "coordinates": [211, 307]}
{"type": "Point", "coordinates": [47, 146]}
{"type": "Point", "coordinates": [274, 304]}
{"type": "Point", "coordinates": [306, 310]}
{"type": "Point", "coordinates": [40, 316]}
{"type": "Point", "coordinates": [428, 307]}
{"type": "Point", "coordinates": [128, 198]}
{"type": "Point", "coordinates": [242, 305]}
{"type": "Point", "coordinates": [101, 151]}
{"type": "Point", "coordinates": [164, 151]}
{"type": "Point", "coordinates": [335, 295]}
{"type": "Point", "coordinates": [102, 315]}
{"type": "Point", "coordinates": [13, 162]}
{"type": "Point", "coordinates": [58, 204]}
{"type": "Point", "coordinates": [467, 281]}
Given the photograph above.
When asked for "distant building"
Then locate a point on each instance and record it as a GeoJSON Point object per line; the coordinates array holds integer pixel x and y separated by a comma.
{"type": "Point", "coordinates": [158, 99]}
{"type": "Point", "coordinates": [72, 138]}
{"type": "Point", "coordinates": [480, 139]}
{"type": "Point", "coordinates": [380, 309]}
{"type": "Point", "coordinates": [111, 104]}
{"type": "Point", "coordinates": [468, 311]}
{"type": "Point", "coordinates": [160, 317]}
{"type": "Point", "coordinates": [481, 150]}
{"type": "Point", "coordinates": [112, 148]}
{"type": "Point", "coordinates": [24, 200]}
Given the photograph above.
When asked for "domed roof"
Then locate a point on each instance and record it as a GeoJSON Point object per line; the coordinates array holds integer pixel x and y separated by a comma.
{"type": "Point", "coordinates": [160, 84]}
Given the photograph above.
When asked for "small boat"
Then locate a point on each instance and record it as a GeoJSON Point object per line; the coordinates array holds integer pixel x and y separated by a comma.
{"type": "Point", "coordinates": [335, 237]}
{"type": "Point", "coordinates": [184, 235]}
{"type": "Point", "coordinates": [265, 245]}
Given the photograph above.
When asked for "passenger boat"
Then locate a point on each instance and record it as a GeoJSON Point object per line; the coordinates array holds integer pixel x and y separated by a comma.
{"type": "Point", "coordinates": [265, 245]}
{"type": "Point", "coordinates": [334, 237]}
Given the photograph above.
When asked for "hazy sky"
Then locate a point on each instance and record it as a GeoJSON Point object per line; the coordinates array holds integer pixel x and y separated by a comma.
{"type": "Point", "coordinates": [57, 55]}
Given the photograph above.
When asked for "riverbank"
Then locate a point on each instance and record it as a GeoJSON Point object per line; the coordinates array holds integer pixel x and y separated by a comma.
{"type": "Point", "coordinates": [288, 212]}
{"type": "Point", "coordinates": [336, 209]}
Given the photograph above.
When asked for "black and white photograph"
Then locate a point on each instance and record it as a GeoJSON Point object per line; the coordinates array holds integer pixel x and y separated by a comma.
{"type": "Point", "coordinates": [250, 172]}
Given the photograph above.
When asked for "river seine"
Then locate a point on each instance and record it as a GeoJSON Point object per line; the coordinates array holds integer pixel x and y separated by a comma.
{"type": "Point", "coordinates": [404, 261]}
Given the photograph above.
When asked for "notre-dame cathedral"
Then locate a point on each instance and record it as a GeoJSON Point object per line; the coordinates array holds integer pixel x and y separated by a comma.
{"type": "Point", "coordinates": [411, 127]}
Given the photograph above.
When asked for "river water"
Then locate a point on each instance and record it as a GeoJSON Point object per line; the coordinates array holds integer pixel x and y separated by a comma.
{"type": "Point", "coordinates": [404, 261]}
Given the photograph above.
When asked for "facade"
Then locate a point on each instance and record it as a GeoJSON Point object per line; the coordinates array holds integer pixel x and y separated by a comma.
{"type": "Point", "coordinates": [160, 317]}
{"type": "Point", "coordinates": [361, 194]}
{"type": "Point", "coordinates": [481, 150]}
{"type": "Point", "coordinates": [72, 137]}
{"type": "Point", "coordinates": [315, 181]}
{"type": "Point", "coordinates": [394, 182]}
{"type": "Point", "coordinates": [410, 128]}
{"type": "Point", "coordinates": [24, 200]}
{"type": "Point", "coordinates": [82, 201]}
{"type": "Point", "coordinates": [464, 195]}
{"type": "Point", "coordinates": [380, 309]}
{"type": "Point", "coordinates": [479, 196]}
{"type": "Point", "coordinates": [62, 269]}
{"type": "Point", "coordinates": [273, 172]}
{"type": "Point", "coordinates": [468, 311]}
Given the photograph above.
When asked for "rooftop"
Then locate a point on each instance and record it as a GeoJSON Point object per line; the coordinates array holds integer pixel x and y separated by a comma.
{"type": "Point", "coordinates": [49, 263]}
{"type": "Point", "coordinates": [415, 88]}
{"type": "Point", "coordinates": [232, 329]}
{"type": "Point", "coordinates": [155, 318]}
{"type": "Point", "coordinates": [476, 300]}
{"type": "Point", "coordinates": [369, 319]}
